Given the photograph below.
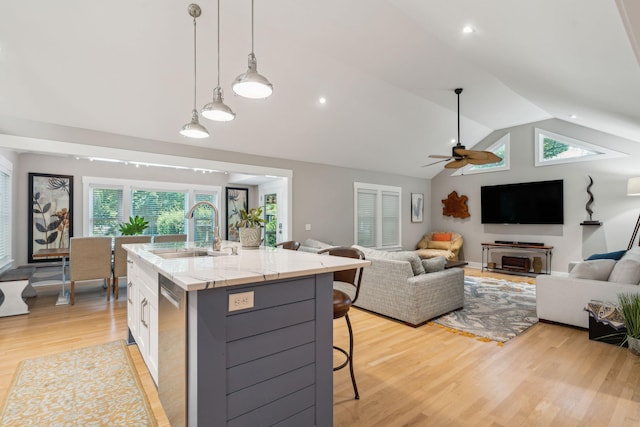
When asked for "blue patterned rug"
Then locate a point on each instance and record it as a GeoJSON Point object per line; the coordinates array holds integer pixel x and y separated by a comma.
{"type": "Point", "coordinates": [494, 309]}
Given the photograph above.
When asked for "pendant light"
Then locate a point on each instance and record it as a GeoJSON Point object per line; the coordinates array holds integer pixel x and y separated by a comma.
{"type": "Point", "coordinates": [251, 84]}
{"type": "Point", "coordinates": [194, 129]}
{"type": "Point", "coordinates": [217, 110]}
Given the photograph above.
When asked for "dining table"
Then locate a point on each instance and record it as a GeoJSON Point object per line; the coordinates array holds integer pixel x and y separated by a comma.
{"type": "Point", "coordinates": [62, 253]}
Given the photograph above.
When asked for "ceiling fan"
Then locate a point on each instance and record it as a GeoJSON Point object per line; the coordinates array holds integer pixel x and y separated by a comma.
{"type": "Point", "coordinates": [460, 156]}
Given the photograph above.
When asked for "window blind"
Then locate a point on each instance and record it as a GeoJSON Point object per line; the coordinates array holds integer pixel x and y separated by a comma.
{"type": "Point", "coordinates": [203, 218]}
{"type": "Point", "coordinates": [390, 219]}
{"type": "Point", "coordinates": [5, 217]}
{"type": "Point", "coordinates": [164, 210]}
{"type": "Point", "coordinates": [367, 207]}
{"type": "Point", "coordinates": [105, 211]}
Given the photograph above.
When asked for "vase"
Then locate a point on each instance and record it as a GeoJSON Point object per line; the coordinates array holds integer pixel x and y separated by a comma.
{"type": "Point", "coordinates": [634, 345]}
{"type": "Point", "coordinates": [250, 237]}
{"type": "Point", "coordinates": [537, 264]}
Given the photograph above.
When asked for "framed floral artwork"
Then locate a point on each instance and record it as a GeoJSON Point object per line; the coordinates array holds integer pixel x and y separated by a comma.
{"type": "Point", "coordinates": [237, 200]}
{"type": "Point", "coordinates": [50, 212]}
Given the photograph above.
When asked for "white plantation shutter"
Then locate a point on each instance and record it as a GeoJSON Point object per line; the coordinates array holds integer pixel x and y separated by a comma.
{"type": "Point", "coordinates": [5, 212]}
{"type": "Point", "coordinates": [390, 219]}
{"type": "Point", "coordinates": [378, 216]}
{"type": "Point", "coordinates": [366, 223]}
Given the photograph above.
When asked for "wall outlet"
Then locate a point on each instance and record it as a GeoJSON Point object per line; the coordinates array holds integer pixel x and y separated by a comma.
{"type": "Point", "coordinates": [307, 227]}
{"type": "Point", "coordinates": [240, 301]}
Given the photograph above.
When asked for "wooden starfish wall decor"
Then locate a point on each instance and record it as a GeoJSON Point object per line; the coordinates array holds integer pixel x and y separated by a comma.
{"type": "Point", "coordinates": [455, 206]}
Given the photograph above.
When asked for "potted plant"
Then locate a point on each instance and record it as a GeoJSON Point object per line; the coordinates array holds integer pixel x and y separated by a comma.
{"type": "Point", "coordinates": [630, 307]}
{"type": "Point", "coordinates": [136, 225]}
{"type": "Point", "coordinates": [250, 227]}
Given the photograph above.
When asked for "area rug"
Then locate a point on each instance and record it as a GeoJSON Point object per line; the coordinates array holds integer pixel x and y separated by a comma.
{"type": "Point", "coordinates": [91, 386]}
{"type": "Point", "coordinates": [494, 309]}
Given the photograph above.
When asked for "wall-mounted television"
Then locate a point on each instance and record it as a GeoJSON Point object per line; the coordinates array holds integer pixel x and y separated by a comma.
{"type": "Point", "coordinates": [524, 203]}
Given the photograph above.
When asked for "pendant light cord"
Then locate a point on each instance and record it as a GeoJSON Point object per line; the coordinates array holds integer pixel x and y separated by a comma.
{"type": "Point", "coordinates": [251, 26]}
{"type": "Point", "coordinates": [194, 64]}
{"type": "Point", "coordinates": [218, 43]}
{"type": "Point", "coordinates": [459, 118]}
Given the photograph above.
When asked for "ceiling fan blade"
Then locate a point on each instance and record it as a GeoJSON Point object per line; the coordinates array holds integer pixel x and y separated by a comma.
{"type": "Point", "coordinates": [437, 156]}
{"type": "Point", "coordinates": [456, 164]}
{"type": "Point", "coordinates": [435, 163]}
{"type": "Point", "coordinates": [484, 160]}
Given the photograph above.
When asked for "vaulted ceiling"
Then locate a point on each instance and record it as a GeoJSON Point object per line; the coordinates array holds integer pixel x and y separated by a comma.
{"type": "Point", "coordinates": [387, 69]}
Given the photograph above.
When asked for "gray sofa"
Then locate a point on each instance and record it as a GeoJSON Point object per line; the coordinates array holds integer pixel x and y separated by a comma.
{"type": "Point", "coordinates": [396, 285]}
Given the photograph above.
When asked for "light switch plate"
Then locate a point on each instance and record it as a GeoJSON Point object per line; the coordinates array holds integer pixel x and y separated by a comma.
{"type": "Point", "coordinates": [240, 301]}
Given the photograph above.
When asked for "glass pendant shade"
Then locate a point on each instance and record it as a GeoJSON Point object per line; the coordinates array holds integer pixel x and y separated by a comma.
{"type": "Point", "coordinates": [252, 84]}
{"type": "Point", "coordinates": [194, 129]}
{"type": "Point", "coordinates": [217, 110]}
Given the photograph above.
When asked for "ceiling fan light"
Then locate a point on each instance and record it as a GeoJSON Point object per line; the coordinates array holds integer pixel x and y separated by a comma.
{"type": "Point", "coordinates": [194, 129]}
{"type": "Point", "coordinates": [217, 110]}
{"type": "Point", "coordinates": [251, 84]}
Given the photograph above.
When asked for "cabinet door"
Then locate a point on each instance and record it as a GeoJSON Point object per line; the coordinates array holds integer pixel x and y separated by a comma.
{"type": "Point", "coordinates": [132, 300]}
{"type": "Point", "coordinates": [152, 363]}
{"type": "Point", "coordinates": [143, 326]}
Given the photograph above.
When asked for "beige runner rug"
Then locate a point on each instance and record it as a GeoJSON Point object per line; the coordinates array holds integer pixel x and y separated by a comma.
{"type": "Point", "coordinates": [91, 386]}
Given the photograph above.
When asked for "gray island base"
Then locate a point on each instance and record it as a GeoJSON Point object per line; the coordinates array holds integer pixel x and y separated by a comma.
{"type": "Point", "coordinates": [245, 340]}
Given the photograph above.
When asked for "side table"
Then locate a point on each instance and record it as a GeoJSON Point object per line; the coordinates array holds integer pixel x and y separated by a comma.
{"type": "Point", "coordinates": [606, 323]}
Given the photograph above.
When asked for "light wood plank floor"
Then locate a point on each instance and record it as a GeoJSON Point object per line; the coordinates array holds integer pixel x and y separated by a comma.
{"type": "Point", "coordinates": [550, 375]}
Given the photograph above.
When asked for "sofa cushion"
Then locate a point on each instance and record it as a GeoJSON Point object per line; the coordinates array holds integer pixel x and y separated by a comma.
{"type": "Point", "coordinates": [410, 256]}
{"type": "Point", "coordinates": [431, 265]}
{"type": "Point", "coordinates": [441, 237]}
{"type": "Point", "coordinates": [422, 244]}
{"type": "Point", "coordinates": [627, 270]}
{"type": "Point", "coordinates": [598, 269]}
{"type": "Point", "coordinates": [609, 255]}
{"type": "Point", "coordinates": [438, 245]}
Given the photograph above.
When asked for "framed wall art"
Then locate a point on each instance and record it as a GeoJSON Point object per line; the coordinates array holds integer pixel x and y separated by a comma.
{"type": "Point", "coordinates": [50, 212]}
{"type": "Point", "coordinates": [237, 200]}
{"type": "Point", "coordinates": [417, 207]}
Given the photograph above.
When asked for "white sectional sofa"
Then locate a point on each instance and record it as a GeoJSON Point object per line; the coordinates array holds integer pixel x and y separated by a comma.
{"type": "Point", "coordinates": [563, 299]}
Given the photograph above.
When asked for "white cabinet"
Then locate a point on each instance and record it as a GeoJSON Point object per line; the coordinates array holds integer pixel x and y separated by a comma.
{"type": "Point", "coordinates": [142, 312]}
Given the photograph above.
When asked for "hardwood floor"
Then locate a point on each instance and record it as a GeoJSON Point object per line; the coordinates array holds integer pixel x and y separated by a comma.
{"type": "Point", "coordinates": [551, 375]}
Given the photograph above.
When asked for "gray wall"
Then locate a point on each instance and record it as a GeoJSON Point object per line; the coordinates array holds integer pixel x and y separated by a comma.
{"type": "Point", "coordinates": [322, 195]}
{"type": "Point", "coordinates": [612, 206]}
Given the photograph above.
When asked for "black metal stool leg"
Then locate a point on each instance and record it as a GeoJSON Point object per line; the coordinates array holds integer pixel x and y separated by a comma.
{"type": "Point", "coordinates": [353, 377]}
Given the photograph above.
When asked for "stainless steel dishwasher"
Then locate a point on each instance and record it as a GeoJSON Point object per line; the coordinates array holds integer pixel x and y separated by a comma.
{"type": "Point", "coordinates": [172, 351]}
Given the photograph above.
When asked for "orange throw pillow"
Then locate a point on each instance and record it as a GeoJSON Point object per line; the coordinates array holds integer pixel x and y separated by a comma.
{"type": "Point", "coordinates": [441, 237]}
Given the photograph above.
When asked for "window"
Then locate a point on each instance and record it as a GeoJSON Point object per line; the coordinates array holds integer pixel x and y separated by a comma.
{"type": "Point", "coordinates": [112, 201]}
{"type": "Point", "coordinates": [377, 216]}
{"type": "Point", "coordinates": [6, 170]}
{"type": "Point", "coordinates": [501, 149]}
{"type": "Point", "coordinates": [553, 149]}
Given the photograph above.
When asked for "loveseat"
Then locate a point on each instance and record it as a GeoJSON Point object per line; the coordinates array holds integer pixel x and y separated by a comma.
{"type": "Point", "coordinates": [440, 243]}
{"type": "Point", "coordinates": [402, 286]}
{"type": "Point", "coordinates": [563, 299]}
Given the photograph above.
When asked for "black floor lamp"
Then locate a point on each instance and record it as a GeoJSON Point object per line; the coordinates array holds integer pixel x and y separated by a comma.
{"type": "Point", "coordinates": [633, 189]}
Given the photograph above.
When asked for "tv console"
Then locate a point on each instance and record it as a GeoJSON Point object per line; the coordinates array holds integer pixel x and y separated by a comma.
{"type": "Point", "coordinates": [517, 265]}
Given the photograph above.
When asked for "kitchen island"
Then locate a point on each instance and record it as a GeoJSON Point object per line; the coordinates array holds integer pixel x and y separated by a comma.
{"type": "Point", "coordinates": [240, 340]}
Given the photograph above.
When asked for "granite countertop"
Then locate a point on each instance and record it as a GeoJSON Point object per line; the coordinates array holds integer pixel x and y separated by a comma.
{"type": "Point", "coordinates": [249, 266]}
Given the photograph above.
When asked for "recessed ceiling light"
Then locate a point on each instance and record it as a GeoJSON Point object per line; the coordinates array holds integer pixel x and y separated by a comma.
{"type": "Point", "coordinates": [467, 29]}
{"type": "Point", "coordinates": [322, 100]}
{"type": "Point", "coordinates": [573, 116]}
{"type": "Point", "coordinates": [453, 140]}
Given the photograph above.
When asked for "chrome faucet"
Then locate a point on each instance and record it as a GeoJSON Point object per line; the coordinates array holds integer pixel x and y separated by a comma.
{"type": "Point", "coordinates": [216, 229]}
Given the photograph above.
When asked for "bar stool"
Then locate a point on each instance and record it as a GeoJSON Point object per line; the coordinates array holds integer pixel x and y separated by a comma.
{"type": "Point", "coordinates": [342, 301]}
{"type": "Point", "coordinates": [290, 244]}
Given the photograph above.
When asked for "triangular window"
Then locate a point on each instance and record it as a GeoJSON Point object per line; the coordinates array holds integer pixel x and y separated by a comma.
{"type": "Point", "coordinates": [501, 149]}
{"type": "Point", "coordinates": [553, 149]}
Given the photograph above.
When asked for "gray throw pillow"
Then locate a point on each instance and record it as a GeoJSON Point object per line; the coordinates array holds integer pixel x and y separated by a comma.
{"type": "Point", "coordinates": [413, 259]}
{"type": "Point", "coordinates": [627, 270]}
{"type": "Point", "coordinates": [431, 265]}
{"type": "Point", "coordinates": [597, 269]}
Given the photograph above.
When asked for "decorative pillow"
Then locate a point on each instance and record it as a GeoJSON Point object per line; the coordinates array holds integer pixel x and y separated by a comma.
{"type": "Point", "coordinates": [434, 264]}
{"type": "Point", "coordinates": [627, 270]}
{"type": "Point", "coordinates": [413, 259]}
{"type": "Point", "coordinates": [422, 244]}
{"type": "Point", "coordinates": [598, 269]}
{"type": "Point", "coordinates": [441, 237]}
{"type": "Point", "coordinates": [438, 245]}
{"type": "Point", "coordinates": [609, 255]}
{"type": "Point", "coordinates": [410, 256]}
